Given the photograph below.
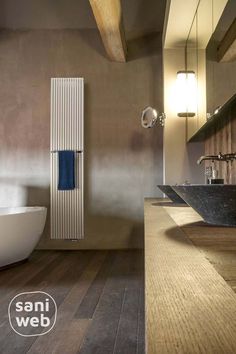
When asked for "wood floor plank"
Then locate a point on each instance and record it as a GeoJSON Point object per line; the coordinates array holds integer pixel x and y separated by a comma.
{"type": "Point", "coordinates": [74, 334]}
{"type": "Point", "coordinates": [102, 334]}
{"type": "Point", "coordinates": [7, 273]}
{"type": "Point", "coordinates": [90, 301]}
{"type": "Point", "coordinates": [127, 334]}
{"type": "Point", "coordinates": [70, 276]}
{"type": "Point", "coordinates": [130, 331]}
{"type": "Point", "coordinates": [141, 322]}
{"type": "Point", "coordinates": [54, 272]}
{"type": "Point", "coordinates": [56, 284]}
{"type": "Point", "coordinates": [43, 276]}
{"type": "Point", "coordinates": [18, 286]}
{"type": "Point", "coordinates": [13, 278]}
{"type": "Point", "coordinates": [55, 340]}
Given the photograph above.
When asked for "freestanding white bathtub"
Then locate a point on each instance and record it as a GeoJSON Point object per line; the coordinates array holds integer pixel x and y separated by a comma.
{"type": "Point", "coordinates": [20, 230]}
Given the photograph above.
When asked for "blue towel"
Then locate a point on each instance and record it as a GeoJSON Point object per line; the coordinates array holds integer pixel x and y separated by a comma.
{"type": "Point", "coordinates": [66, 170]}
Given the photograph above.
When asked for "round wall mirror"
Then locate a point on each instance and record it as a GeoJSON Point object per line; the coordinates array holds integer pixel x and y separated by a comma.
{"type": "Point", "coordinates": [149, 117]}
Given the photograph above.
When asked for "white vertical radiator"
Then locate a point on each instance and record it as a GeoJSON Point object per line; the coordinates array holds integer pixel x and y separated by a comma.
{"type": "Point", "coordinates": [67, 133]}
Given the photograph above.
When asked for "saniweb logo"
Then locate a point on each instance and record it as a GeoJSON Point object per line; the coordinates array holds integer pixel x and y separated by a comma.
{"type": "Point", "coordinates": [32, 313]}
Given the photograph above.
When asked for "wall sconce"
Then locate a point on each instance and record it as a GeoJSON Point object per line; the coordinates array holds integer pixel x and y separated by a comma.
{"type": "Point", "coordinates": [186, 91]}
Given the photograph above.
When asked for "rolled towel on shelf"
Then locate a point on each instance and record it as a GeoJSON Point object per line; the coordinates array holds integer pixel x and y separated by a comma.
{"type": "Point", "coordinates": [66, 178]}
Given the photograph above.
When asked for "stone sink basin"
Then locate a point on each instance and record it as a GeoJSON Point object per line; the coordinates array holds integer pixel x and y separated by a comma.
{"type": "Point", "coordinates": [216, 203]}
{"type": "Point", "coordinates": [171, 194]}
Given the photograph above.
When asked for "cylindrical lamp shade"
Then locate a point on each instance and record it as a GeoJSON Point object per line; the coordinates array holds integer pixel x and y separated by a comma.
{"type": "Point", "coordinates": [186, 91]}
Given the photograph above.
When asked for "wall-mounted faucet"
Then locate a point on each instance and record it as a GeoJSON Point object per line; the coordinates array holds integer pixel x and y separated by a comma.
{"type": "Point", "coordinates": [210, 172]}
{"type": "Point", "coordinates": [220, 157]}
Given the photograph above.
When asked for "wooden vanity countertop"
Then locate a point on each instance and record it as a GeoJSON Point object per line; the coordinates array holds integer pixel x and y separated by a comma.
{"type": "Point", "coordinates": [190, 278]}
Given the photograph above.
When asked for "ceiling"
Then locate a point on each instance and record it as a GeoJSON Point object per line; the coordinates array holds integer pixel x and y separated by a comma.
{"type": "Point", "coordinates": [139, 15]}
{"type": "Point", "coordinates": [178, 22]}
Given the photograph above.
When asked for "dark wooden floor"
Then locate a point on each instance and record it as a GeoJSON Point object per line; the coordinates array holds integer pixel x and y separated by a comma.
{"type": "Point", "coordinates": [100, 299]}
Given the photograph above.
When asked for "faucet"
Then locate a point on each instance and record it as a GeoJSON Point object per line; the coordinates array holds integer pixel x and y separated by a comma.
{"type": "Point", "coordinates": [220, 157]}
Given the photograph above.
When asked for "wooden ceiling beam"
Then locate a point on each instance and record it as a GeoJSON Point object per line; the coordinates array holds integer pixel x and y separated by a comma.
{"type": "Point", "coordinates": [108, 15]}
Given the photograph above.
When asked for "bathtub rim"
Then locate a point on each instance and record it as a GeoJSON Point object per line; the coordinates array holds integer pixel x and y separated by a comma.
{"type": "Point", "coordinates": [19, 210]}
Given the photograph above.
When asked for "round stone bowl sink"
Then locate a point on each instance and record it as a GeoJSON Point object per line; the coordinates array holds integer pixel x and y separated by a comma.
{"type": "Point", "coordinates": [171, 194]}
{"type": "Point", "coordinates": [216, 203]}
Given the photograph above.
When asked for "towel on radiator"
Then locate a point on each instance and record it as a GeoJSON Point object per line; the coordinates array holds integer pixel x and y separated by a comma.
{"type": "Point", "coordinates": [66, 180]}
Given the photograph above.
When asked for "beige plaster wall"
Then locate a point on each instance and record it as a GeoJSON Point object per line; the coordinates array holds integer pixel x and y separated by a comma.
{"type": "Point", "coordinates": [123, 162]}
